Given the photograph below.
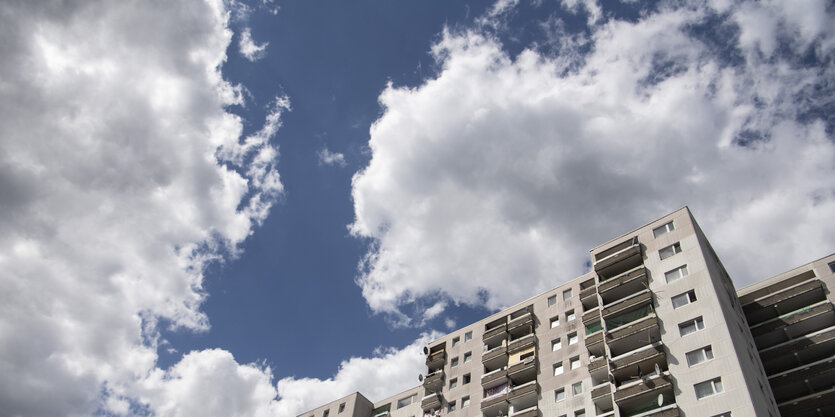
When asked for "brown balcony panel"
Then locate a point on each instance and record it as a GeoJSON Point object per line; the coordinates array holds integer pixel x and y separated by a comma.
{"type": "Point", "coordinates": [522, 366]}
{"type": "Point", "coordinates": [434, 382]}
{"type": "Point", "coordinates": [432, 401]}
{"type": "Point", "coordinates": [588, 292]}
{"type": "Point", "coordinates": [495, 332]}
{"type": "Point", "coordinates": [521, 344]}
{"type": "Point", "coordinates": [784, 302]}
{"type": "Point", "coordinates": [803, 373]}
{"type": "Point", "coordinates": [530, 413]}
{"type": "Point", "coordinates": [493, 354]}
{"type": "Point", "coordinates": [620, 262]}
{"type": "Point", "coordinates": [526, 319]}
{"type": "Point", "coordinates": [597, 363]}
{"type": "Point", "coordinates": [435, 359]}
{"type": "Point", "coordinates": [656, 383]}
{"type": "Point", "coordinates": [778, 286]}
{"type": "Point", "coordinates": [626, 305]}
{"type": "Point", "coordinates": [615, 249]}
{"type": "Point", "coordinates": [790, 320]}
{"type": "Point", "coordinates": [599, 392]}
{"type": "Point", "coordinates": [804, 349]}
{"type": "Point", "coordinates": [638, 274]}
{"type": "Point", "coordinates": [486, 379]}
{"type": "Point", "coordinates": [594, 342]}
{"type": "Point", "coordinates": [497, 401]}
{"type": "Point", "coordinates": [638, 357]}
{"type": "Point", "coordinates": [809, 405]}
{"type": "Point", "coordinates": [522, 391]}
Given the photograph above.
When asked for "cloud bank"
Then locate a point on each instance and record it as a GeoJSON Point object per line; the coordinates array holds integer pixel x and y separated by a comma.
{"type": "Point", "coordinates": [510, 168]}
{"type": "Point", "coordinates": [121, 175]}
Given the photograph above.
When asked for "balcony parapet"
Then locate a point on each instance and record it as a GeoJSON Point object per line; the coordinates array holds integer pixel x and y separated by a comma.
{"type": "Point", "coordinates": [808, 403]}
{"type": "Point", "coordinates": [494, 332]}
{"type": "Point", "coordinates": [431, 401]}
{"type": "Point", "coordinates": [601, 390]}
{"type": "Point", "coordinates": [522, 366]}
{"type": "Point", "coordinates": [670, 410]}
{"type": "Point", "coordinates": [633, 358]}
{"type": "Point", "coordinates": [791, 318]}
{"type": "Point", "coordinates": [776, 287]}
{"type": "Point", "coordinates": [629, 277]}
{"type": "Point", "coordinates": [800, 344]}
{"type": "Point", "coordinates": [494, 353]}
{"type": "Point", "coordinates": [652, 384]}
{"type": "Point", "coordinates": [597, 363]}
{"type": "Point", "coordinates": [434, 381]}
{"type": "Point", "coordinates": [497, 400]}
{"type": "Point", "coordinates": [626, 304]}
{"type": "Point", "coordinates": [435, 359]}
{"type": "Point", "coordinates": [642, 324]}
{"type": "Point", "coordinates": [528, 412]}
{"type": "Point", "coordinates": [521, 343]}
{"type": "Point", "coordinates": [493, 376]}
{"type": "Point", "coordinates": [525, 319]}
{"type": "Point", "coordinates": [622, 260]}
{"type": "Point", "coordinates": [523, 390]}
{"type": "Point", "coordinates": [585, 293]}
{"type": "Point", "coordinates": [591, 316]}
{"type": "Point", "coordinates": [803, 373]}
{"type": "Point", "coordinates": [789, 299]}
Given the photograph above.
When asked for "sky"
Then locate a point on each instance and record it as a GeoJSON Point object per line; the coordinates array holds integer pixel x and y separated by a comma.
{"type": "Point", "coordinates": [251, 208]}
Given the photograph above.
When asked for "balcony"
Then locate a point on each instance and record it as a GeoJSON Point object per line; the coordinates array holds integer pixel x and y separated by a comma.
{"type": "Point", "coordinates": [597, 363]}
{"type": "Point", "coordinates": [591, 316]}
{"type": "Point", "coordinates": [588, 294]}
{"type": "Point", "coordinates": [525, 319]}
{"type": "Point", "coordinates": [642, 332]}
{"type": "Point", "coordinates": [627, 305]}
{"type": "Point", "coordinates": [670, 410]}
{"type": "Point", "coordinates": [794, 324]}
{"type": "Point", "coordinates": [495, 405]}
{"type": "Point", "coordinates": [524, 393]}
{"type": "Point", "coordinates": [601, 391]}
{"type": "Point", "coordinates": [521, 343]}
{"type": "Point", "coordinates": [805, 349]}
{"type": "Point", "coordinates": [648, 387]}
{"type": "Point", "coordinates": [523, 371]}
{"type": "Point", "coordinates": [818, 404]}
{"type": "Point", "coordinates": [528, 412]}
{"type": "Point", "coordinates": [434, 382]}
{"type": "Point", "coordinates": [594, 344]}
{"type": "Point", "coordinates": [494, 378]}
{"type": "Point", "coordinates": [785, 301]}
{"type": "Point", "coordinates": [627, 365]}
{"type": "Point", "coordinates": [803, 380]}
{"type": "Point", "coordinates": [495, 356]}
{"type": "Point", "coordinates": [432, 401]}
{"type": "Point", "coordinates": [623, 285]}
{"type": "Point", "coordinates": [620, 258]}
{"type": "Point", "coordinates": [495, 333]}
{"type": "Point", "coordinates": [435, 360]}
{"type": "Point", "coordinates": [778, 286]}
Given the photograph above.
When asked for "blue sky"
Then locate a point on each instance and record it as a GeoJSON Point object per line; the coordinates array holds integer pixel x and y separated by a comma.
{"type": "Point", "coordinates": [271, 204]}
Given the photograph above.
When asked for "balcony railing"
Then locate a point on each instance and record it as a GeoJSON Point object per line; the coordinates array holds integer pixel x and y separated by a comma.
{"type": "Point", "coordinates": [430, 401]}
{"type": "Point", "coordinates": [522, 366]}
{"type": "Point", "coordinates": [594, 343]}
{"type": "Point", "coordinates": [525, 319]}
{"type": "Point", "coordinates": [495, 331]}
{"type": "Point", "coordinates": [521, 343]}
{"type": "Point", "coordinates": [624, 305]}
{"type": "Point", "coordinates": [796, 323]}
{"type": "Point", "coordinates": [777, 286]}
{"type": "Point", "coordinates": [785, 301]}
{"type": "Point", "coordinates": [523, 390]}
{"type": "Point", "coordinates": [804, 349]}
{"type": "Point", "coordinates": [434, 381]}
{"type": "Point", "coordinates": [494, 353]}
{"type": "Point", "coordinates": [648, 357]}
{"type": "Point", "coordinates": [650, 385]}
{"type": "Point", "coordinates": [528, 412]}
{"type": "Point", "coordinates": [498, 400]}
{"type": "Point", "coordinates": [601, 390]}
{"type": "Point", "coordinates": [634, 335]}
{"type": "Point", "coordinates": [498, 374]}
{"type": "Point", "coordinates": [622, 260]}
{"type": "Point", "coordinates": [820, 403]}
{"type": "Point", "coordinates": [435, 359]}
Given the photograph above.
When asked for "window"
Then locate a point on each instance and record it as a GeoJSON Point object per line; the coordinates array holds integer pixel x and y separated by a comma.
{"type": "Point", "coordinates": [453, 383]}
{"type": "Point", "coordinates": [575, 362]}
{"type": "Point", "coordinates": [325, 414]}
{"type": "Point", "coordinates": [552, 301]}
{"type": "Point", "coordinates": [572, 338]}
{"type": "Point", "coordinates": [559, 394]}
{"type": "Point", "coordinates": [727, 414]}
{"type": "Point", "coordinates": [691, 326]}
{"type": "Point", "coordinates": [707, 388]}
{"type": "Point", "coordinates": [684, 299]}
{"type": "Point", "coordinates": [577, 388]}
{"type": "Point", "coordinates": [451, 407]}
{"type": "Point", "coordinates": [555, 321]}
{"type": "Point", "coordinates": [669, 251]}
{"type": "Point", "coordinates": [456, 341]}
{"type": "Point", "coordinates": [405, 401]}
{"type": "Point", "coordinates": [465, 379]}
{"type": "Point", "coordinates": [341, 407]}
{"type": "Point", "coordinates": [468, 357]}
{"type": "Point", "coordinates": [832, 266]}
{"type": "Point", "coordinates": [453, 362]}
{"type": "Point", "coordinates": [468, 336]}
{"type": "Point", "coordinates": [676, 273]}
{"type": "Point", "coordinates": [580, 413]}
{"type": "Point", "coordinates": [566, 294]}
{"type": "Point", "coordinates": [663, 229]}
{"type": "Point", "coordinates": [569, 315]}
{"type": "Point", "coordinates": [465, 402]}
{"type": "Point", "coordinates": [699, 355]}
{"type": "Point", "coordinates": [558, 369]}
{"type": "Point", "coordinates": [556, 345]}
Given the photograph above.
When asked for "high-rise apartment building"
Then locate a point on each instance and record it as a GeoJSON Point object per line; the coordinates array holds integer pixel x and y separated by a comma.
{"type": "Point", "coordinates": [655, 329]}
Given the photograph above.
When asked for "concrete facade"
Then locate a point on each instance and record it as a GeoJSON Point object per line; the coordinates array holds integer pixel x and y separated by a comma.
{"type": "Point", "coordinates": [655, 329]}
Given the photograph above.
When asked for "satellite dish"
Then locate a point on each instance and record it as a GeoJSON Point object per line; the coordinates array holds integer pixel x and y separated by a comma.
{"type": "Point", "coordinates": [425, 350]}
{"type": "Point", "coordinates": [660, 400]}
{"type": "Point", "coordinates": [420, 377]}
{"type": "Point", "coordinates": [657, 369]}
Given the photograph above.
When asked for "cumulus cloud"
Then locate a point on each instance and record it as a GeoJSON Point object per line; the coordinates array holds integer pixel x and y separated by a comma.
{"type": "Point", "coordinates": [326, 157]}
{"type": "Point", "coordinates": [249, 49]}
{"type": "Point", "coordinates": [121, 175]}
{"type": "Point", "coordinates": [509, 168]}
{"type": "Point", "coordinates": [388, 372]}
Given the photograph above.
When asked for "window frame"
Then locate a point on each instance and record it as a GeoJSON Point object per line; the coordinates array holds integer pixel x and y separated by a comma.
{"type": "Point", "coordinates": [715, 384]}
{"type": "Point", "coordinates": [698, 325]}
{"type": "Point", "coordinates": [667, 228]}
{"type": "Point", "coordinates": [676, 274]}
{"type": "Point", "coordinates": [573, 339]}
{"type": "Point", "coordinates": [567, 294]}
{"type": "Point", "coordinates": [705, 354]}
{"type": "Point", "coordinates": [557, 393]}
{"type": "Point", "coordinates": [559, 367]}
{"type": "Point", "coordinates": [689, 295]}
{"type": "Point", "coordinates": [552, 300]}
{"type": "Point", "coordinates": [668, 252]}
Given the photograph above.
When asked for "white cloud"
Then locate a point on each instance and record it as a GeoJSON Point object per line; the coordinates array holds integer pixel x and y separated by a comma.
{"type": "Point", "coordinates": [388, 372]}
{"type": "Point", "coordinates": [509, 169]}
{"type": "Point", "coordinates": [121, 175]}
{"type": "Point", "coordinates": [326, 157]}
{"type": "Point", "coordinates": [249, 49]}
